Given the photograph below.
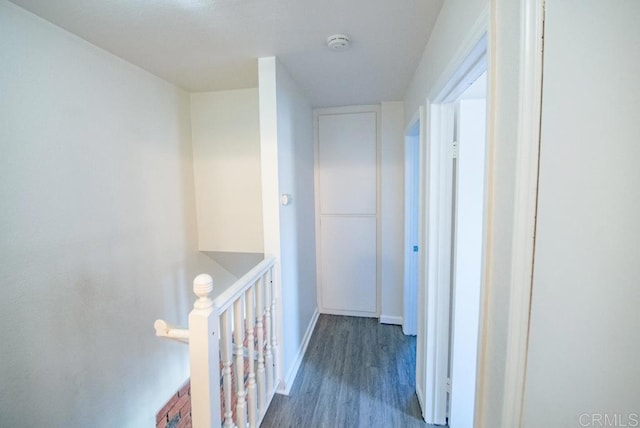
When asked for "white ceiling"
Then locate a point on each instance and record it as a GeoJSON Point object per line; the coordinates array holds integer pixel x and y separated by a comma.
{"type": "Point", "coordinates": [205, 45]}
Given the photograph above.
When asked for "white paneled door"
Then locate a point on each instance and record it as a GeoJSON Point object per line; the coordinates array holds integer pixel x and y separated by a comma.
{"type": "Point", "coordinates": [347, 212]}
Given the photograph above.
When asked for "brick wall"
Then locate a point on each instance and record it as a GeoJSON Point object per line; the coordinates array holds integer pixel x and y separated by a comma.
{"type": "Point", "coordinates": [177, 412]}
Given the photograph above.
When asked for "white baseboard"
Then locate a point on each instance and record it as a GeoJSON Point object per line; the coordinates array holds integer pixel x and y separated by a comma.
{"type": "Point", "coordinates": [349, 313]}
{"type": "Point", "coordinates": [388, 319]}
{"type": "Point", "coordinates": [285, 387]}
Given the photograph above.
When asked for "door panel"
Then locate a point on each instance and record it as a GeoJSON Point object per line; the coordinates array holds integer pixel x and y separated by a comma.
{"type": "Point", "coordinates": [347, 160]}
{"type": "Point", "coordinates": [349, 264]}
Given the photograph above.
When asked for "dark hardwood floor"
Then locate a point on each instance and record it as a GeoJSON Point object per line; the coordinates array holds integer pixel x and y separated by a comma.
{"type": "Point", "coordinates": [356, 373]}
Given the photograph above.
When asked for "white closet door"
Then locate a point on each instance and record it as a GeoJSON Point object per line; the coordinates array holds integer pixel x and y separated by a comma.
{"type": "Point", "coordinates": [347, 205]}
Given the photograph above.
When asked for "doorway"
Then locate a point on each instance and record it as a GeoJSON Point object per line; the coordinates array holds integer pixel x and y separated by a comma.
{"type": "Point", "coordinates": [454, 223]}
{"type": "Point", "coordinates": [468, 209]}
{"type": "Point", "coordinates": [412, 139]}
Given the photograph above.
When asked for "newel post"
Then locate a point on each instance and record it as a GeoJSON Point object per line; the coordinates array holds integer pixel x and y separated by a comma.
{"type": "Point", "coordinates": [204, 357]}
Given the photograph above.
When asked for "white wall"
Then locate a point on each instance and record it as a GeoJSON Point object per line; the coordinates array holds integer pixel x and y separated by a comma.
{"type": "Point", "coordinates": [392, 211]}
{"type": "Point", "coordinates": [583, 350]}
{"type": "Point", "coordinates": [226, 150]}
{"type": "Point", "coordinates": [286, 132]}
{"type": "Point", "coordinates": [97, 231]}
{"type": "Point", "coordinates": [449, 34]}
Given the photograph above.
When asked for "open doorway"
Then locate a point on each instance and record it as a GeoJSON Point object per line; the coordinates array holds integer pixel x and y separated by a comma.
{"type": "Point", "coordinates": [468, 218]}
{"type": "Point", "coordinates": [412, 139]}
{"type": "Point", "coordinates": [454, 223]}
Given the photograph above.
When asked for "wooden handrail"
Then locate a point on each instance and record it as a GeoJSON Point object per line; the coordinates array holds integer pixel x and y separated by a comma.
{"type": "Point", "coordinates": [163, 329]}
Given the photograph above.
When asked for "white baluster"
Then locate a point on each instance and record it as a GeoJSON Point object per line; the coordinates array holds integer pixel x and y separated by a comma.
{"type": "Point", "coordinates": [225, 344]}
{"type": "Point", "coordinates": [238, 336]}
{"type": "Point", "coordinates": [204, 356]}
{"type": "Point", "coordinates": [274, 326]}
{"type": "Point", "coordinates": [250, 322]}
{"type": "Point", "coordinates": [267, 320]}
{"type": "Point", "coordinates": [260, 330]}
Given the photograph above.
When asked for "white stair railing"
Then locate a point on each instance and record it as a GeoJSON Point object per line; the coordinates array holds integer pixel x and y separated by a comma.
{"type": "Point", "coordinates": [222, 338]}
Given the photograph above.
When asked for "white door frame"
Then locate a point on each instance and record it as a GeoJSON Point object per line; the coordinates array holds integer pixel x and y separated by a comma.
{"type": "Point", "coordinates": [414, 136]}
{"type": "Point", "coordinates": [469, 64]}
{"type": "Point", "coordinates": [438, 260]}
{"type": "Point", "coordinates": [530, 50]}
{"type": "Point", "coordinates": [525, 208]}
{"type": "Point", "coordinates": [524, 217]}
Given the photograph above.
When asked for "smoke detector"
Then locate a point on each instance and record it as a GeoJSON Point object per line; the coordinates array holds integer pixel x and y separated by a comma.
{"type": "Point", "coordinates": [338, 42]}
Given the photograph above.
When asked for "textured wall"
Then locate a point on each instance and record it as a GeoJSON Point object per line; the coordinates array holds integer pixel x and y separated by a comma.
{"type": "Point", "coordinates": [97, 231]}
{"type": "Point", "coordinates": [226, 155]}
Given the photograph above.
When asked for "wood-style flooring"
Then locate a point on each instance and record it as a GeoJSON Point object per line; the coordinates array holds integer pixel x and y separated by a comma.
{"type": "Point", "coordinates": [356, 373]}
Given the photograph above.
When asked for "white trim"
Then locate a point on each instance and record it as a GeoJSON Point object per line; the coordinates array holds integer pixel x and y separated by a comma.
{"type": "Point", "coordinates": [526, 195]}
{"type": "Point", "coordinates": [423, 192]}
{"type": "Point", "coordinates": [293, 371]}
{"type": "Point", "coordinates": [347, 109]}
{"type": "Point", "coordinates": [378, 110]}
{"type": "Point", "coordinates": [488, 231]}
{"type": "Point", "coordinates": [390, 319]}
{"type": "Point", "coordinates": [316, 197]}
{"type": "Point", "coordinates": [473, 66]}
{"type": "Point", "coordinates": [438, 255]}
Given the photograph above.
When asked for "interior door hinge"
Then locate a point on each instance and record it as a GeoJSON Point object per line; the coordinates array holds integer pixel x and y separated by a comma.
{"type": "Point", "coordinates": [454, 150]}
{"type": "Point", "coordinates": [448, 385]}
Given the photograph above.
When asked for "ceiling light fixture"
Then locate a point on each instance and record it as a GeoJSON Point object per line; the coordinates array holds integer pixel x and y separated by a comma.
{"type": "Point", "coordinates": [338, 42]}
